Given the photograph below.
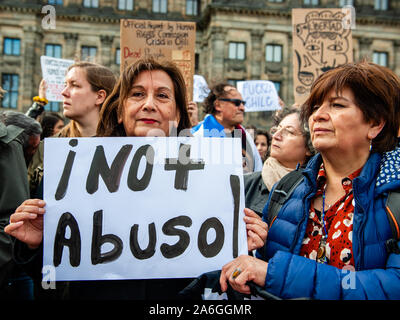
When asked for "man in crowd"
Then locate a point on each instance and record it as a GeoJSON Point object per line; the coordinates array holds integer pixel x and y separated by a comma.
{"type": "Point", "coordinates": [225, 113]}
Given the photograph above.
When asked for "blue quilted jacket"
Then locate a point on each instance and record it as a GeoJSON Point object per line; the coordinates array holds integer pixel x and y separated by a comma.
{"type": "Point", "coordinates": [377, 274]}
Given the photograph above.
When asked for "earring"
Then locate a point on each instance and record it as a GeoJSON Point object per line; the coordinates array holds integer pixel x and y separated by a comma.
{"type": "Point", "coordinates": [370, 145]}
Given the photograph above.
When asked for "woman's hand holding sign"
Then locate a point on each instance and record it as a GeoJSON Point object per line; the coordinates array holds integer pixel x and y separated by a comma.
{"type": "Point", "coordinates": [241, 270]}
{"type": "Point", "coordinates": [26, 223]}
{"type": "Point", "coordinates": [246, 268]}
{"type": "Point", "coordinates": [257, 229]}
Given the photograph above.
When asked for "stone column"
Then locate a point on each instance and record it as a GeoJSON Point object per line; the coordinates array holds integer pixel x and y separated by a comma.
{"type": "Point", "coordinates": [106, 58]}
{"type": "Point", "coordinates": [71, 51]}
{"type": "Point", "coordinates": [365, 44]}
{"type": "Point", "coordinates": [396, 60]}
{"type": "Point", "coordinates": [217, 39]}
{"type": "Point", "coordinates": [256, 54]}
{"type": "Point", "coordinates": [31, 50]}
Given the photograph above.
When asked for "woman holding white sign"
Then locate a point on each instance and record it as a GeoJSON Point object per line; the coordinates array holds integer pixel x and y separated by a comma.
{"type": "Point", "coordinates": [148, 100]}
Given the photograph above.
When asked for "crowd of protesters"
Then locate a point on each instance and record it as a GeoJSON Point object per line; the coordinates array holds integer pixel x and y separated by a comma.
{"type": "Point", "coordinates": [344, 139]}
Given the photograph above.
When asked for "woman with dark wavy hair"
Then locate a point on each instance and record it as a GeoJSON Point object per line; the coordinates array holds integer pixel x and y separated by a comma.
{"type": "Point", "coordinates": [52, 123]}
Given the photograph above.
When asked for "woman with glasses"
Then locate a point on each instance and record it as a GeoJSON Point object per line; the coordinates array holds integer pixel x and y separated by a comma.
{"type": "Point", "coordinates": [290, 146]}
{"type": "Point", "coordinates": [332, 238]}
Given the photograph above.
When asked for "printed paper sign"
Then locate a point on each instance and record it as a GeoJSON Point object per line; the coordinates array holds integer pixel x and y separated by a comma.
{"type": "Point", "coordinates": [160, 40]}
{"type": "Point", "coordinates": [322, 40]}
{"type": "Point", "coordinates": [260, 95]}
{"type": "Point", "coordinates": [54, 71]}
{"type": "Point", "coordinates": [141, 208]}
{"type": "Point", "coordinates": [200, 88]}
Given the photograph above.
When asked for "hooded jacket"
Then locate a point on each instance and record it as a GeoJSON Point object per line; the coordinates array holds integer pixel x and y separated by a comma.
{"type": "Point", "coordinates": [377, 274]}
{"type": "Point", "coordinates": [13, 189]}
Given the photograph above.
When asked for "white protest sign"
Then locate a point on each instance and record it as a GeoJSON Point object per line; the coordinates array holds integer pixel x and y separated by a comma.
{"type": "Point", "coordinates": [54, 71]}
{"type": "Point", "coordinates": [200, 88]}
{"type": "Point", "coordinates": [141, 208]}
{"type": "Point", "coordinates": [260, 95]}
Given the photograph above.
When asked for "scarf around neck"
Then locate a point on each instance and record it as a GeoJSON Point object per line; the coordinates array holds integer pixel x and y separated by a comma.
{"type": "Point", "coordinates": [273, 171]}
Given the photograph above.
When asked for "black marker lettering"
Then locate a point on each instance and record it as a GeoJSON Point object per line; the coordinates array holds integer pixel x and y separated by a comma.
{"type": "Point", "coordinates": [169, 228]}
{"type": "Point", "coordinates": [134, 183]}
{"type": "Point", "coordinates": [182, 165]}
{"type": "Point", "coordinates": [73, 243]}
{"type": "Point", "coordinates": [211, 250]}
{"type": "Point", "coordinates": [99, 167]}
{"type": "Point", "coordinates": [235, 187]}
{"type": "Point", "coordinates": [98, 240]}
{"type": "Point", "coordinates": [135, 247]}
{"type": "Point", "coordinates": [63, 183]}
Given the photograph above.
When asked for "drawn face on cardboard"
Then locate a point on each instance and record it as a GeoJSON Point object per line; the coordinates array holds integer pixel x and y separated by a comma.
{"type": "Point", "coordinates": [325, 46]}
{"type": "Point", "coordinates": [327, 53]}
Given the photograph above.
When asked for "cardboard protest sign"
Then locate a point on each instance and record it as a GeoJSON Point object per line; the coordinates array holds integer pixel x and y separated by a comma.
{"type": "Point", "coordinates": [54, 71]}
{"type": "Point", "coordinates": [322, 40]}
{"type": "Point", "coordinates": [139, 208]}
{"type": "Point", "coordinates": [160, 40]}
{"type": "Point", "coordinates": [200, 88]}
{"type": "Point", "coordinates": [260, 95]}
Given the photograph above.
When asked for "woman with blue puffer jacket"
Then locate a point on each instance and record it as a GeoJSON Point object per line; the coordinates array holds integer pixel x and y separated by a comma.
{"type": "Point", "coordinates": [329, 238]}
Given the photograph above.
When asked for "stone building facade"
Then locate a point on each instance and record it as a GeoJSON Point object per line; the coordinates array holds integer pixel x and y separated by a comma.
{"type": "Point", "coordinates": [233, 38]}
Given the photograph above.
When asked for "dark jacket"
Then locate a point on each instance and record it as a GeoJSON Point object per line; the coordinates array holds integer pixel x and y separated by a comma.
{"type": "Point", "coordinates": [377, 273]}
{"type": "Point", "coordinates": [256, 192]}
{"type": "Point", "coordinates": [13, 189]}
{"type": "Point", "coordinates": [149, 289]}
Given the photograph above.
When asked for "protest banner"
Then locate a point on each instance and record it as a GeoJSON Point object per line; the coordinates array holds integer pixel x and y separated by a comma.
{"type": "Point", "coordinates": [53, 72]}
{"type": "Point", "coordinates": [200, 88]}
{"type": "Point", "coordinates": [141, 208]}
{"type": "Point", "coordinates": [322, 40]}
{"type": "Point", "coordinates": [160, 40]}
{"type": "Point", "coordinates": [260, 95]}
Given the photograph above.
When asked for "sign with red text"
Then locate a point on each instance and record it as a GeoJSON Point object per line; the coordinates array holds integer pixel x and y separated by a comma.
{"type": "Point", "coordinates": [54, 71]}
{"type": "Point", "coordinates": [142, 208]}
{"type": "Point", "coordinates": [160, 40]}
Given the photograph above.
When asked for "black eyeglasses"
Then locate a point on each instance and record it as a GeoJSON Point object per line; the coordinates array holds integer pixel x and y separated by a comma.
{"type": "Point", "coordinates": [237, 102]}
